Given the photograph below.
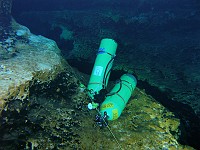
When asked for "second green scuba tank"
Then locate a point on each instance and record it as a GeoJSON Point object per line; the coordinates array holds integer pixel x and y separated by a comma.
{"type": "Point", "coordinates": [117, 99]}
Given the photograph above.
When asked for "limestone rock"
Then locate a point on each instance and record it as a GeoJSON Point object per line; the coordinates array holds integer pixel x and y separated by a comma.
{"type": "Point", "coordinates": [34, 58]}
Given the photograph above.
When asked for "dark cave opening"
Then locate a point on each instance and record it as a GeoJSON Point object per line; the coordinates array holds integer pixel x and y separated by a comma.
{"type": "Point", "coordinates": [190, 122]}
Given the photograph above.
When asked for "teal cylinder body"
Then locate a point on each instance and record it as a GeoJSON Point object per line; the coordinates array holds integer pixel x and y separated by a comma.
{"type": "Point", "coordinates": [117, 99]}
{"type": "Point", "coordinates": [103, 63]}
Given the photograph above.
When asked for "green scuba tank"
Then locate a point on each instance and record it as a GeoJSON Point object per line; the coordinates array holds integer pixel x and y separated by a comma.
{"type": "Point", "coordinates": [117, 99]}
{"type": "Point", "coordinates": [103, 63]}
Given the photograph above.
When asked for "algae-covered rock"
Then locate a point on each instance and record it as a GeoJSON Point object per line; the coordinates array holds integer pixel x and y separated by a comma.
{"type": "Point", "coordinates": [144, 124]}
{"type": "Point", "coordinates": [65, 123]}
{"type": "Point", "coordinates": [34, 58]}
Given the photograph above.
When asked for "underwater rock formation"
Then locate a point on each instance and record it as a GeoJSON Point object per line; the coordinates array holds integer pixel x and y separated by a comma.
{"type": "Point", "coordinates": [36, 67]}
{"type": "Point", "coordinates": [34, 58]}
{"type": "Point", "coordinates": [144, 124]}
